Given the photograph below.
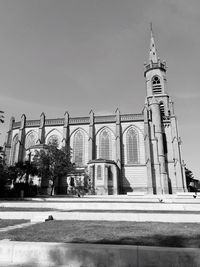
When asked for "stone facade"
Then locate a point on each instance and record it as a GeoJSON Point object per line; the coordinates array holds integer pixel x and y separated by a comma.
{"type": "Point", "coordinates": [141, 152]}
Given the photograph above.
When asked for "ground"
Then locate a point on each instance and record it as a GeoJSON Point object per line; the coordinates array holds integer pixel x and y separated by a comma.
{"type": "Point", "coordinates": [103, 232]}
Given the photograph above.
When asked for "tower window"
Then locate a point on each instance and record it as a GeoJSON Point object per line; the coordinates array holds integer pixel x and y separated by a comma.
{"type": "Point", "coordinates": [156, 85]}
{"type": "Point", "coordinates": [162, 110]}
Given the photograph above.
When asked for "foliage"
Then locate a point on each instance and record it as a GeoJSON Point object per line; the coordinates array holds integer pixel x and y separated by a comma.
{"type": "Point", "coordinates": [24, 169]}
{"type": "Point", "coordinates": [1, 116]}
{"type": "Point", "coordinates": [192, 183]}
{"type": "Point", "coordinates": [189, 176]}
{"type": "Point", "coordinates": [9, 186]}
{"type": "Point", "coordinates": [82, 184]}
{"type": "Point", "coordinates": [53, 163]}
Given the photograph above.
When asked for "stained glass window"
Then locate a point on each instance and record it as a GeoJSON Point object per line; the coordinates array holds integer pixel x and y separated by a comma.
{"type": "Point", "coordinates": [30, 140]}
{"type": "Point", "coordinates": [14, 147]}
{"type": "Point", "coordinates": [132, 147]}
{"type": "Point", "coordinates": [78, 148]}
{"type": "Point", "coordinates": [105, 145]}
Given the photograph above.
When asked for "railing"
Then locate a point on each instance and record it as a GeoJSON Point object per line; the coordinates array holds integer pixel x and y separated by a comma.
{"type": "Point", "coordinates": [16, 125]}
{"type": "Point", "coordinates": [79, 120]}
{"type": "Point", "coordinates": [155, 65]}
{"type": "Point", "coordinates": [58, 121]}
{"type": "Point", "coordinates": [32, 123]}
{"type": "Point", "coordinates": [102, 119]}
{"type": "Point", "coordinates": [132, 117]}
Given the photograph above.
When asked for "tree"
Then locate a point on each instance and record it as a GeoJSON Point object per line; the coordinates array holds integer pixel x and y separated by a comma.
{"type": "Point", "coordinates": [53, 163]}
{"type": "Point", "coordinates": [24, 169]}
{"type": "Point", "coordinates": [192, 183]}
{"type": "Point", "coordinates": [1, 116]}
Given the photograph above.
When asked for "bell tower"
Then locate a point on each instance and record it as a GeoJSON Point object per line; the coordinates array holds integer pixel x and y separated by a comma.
{"type": "Point", "coordinates": [164, 146]}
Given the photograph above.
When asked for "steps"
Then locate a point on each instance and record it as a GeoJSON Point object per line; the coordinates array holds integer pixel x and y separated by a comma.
{"type": "Point", "coordinates": [111, 208]}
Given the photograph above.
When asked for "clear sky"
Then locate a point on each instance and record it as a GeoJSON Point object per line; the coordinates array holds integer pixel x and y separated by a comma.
{"type": "Point", "coordinates": [74, 55]}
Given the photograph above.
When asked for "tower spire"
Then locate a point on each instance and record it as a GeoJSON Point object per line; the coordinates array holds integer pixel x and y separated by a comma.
{"type": "Point", "coordinates": [152, 53]}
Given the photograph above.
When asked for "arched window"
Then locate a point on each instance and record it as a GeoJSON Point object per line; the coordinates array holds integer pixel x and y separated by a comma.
{"type": "Point", "coordinates": [104, 145]}
{"type": "Point", "coordinates": [156, 85]}
{"type": "Point", "coordinates": [78, 148]}
{"type": "Point", "coordinates": [53, 140]}
{"type": "Point", "coordinates": [99, 175]}
{"type": "Point", "coordinates": [30, 140]}
{"type": "Point", "coordinates": [162, 110]}
{"type": "Point", "coordinates": [132, 147]}
{"type": "Point", "coordinates": [14, 150]}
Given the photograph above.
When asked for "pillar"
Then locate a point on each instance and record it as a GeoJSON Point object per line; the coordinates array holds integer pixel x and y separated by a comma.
{"type": "Point", "coordinates": [91, 136]}
{"type": "Point", "coordinates": [41, 134]}
{"type": "Point", "coordinates": [21, 139]}
{"type": "Point", "coordinates": [150, 178]}
{"type": "Point", "coordinates": [8, 141]}
{"type": "Point", "coordinates": [65, 140]}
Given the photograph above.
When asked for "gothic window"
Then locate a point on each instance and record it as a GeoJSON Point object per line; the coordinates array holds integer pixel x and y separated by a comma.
{"type": "Point", "coordinates": [156, 85]}
{"type": "Point", "coordinates": [132, 147]}
{"type": "Point", "coordinates": [53, 139]}
{"type": "Point", "coordinates": [78, 148]}
{"type": "Point", "coordinates": [14, 149]}
{"type": "Point", "coordinates": [99, 174]}
{"type": "Point", "coordinates": [104, 145]}
{"type": "Point", "coordinates": [30, 140]}
{"type": "Point", "coordinates": [162, 110]}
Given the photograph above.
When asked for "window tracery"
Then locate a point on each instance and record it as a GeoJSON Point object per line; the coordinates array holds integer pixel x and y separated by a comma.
{"type": "Point", "coordinates": [104, 145]}
{"type": "Point", "coordinates": [132, 146]}
{"type": "Point", "coordinates": [156, 85]}
{"type": "Point", "coordinates": [30, 140]}
{"type": "Point", "coordinates": [78, 148]}
{"type": "Point", "coordinates": [14, 149]}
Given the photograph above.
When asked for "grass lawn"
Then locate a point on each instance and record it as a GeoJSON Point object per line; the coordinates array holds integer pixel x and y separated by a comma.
{"type": "Point", "coordinates": [5, 223]}
{"type": "Point", "coordinates": [102, 232]}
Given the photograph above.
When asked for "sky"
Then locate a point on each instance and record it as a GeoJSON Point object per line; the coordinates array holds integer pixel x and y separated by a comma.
{"type": "Point", "coordinates": [78, 55]}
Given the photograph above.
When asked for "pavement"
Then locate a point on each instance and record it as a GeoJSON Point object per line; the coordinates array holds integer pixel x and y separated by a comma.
{"type": "Point", "coordinates": [94, 255]}
{"type": "Point", "coordinates": [183, 208]}
{"type": "Point", "coordinates": [16, 226]}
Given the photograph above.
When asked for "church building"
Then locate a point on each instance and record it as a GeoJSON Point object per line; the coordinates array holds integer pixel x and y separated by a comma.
{"type": "Point", "coordinates": [120, 152]}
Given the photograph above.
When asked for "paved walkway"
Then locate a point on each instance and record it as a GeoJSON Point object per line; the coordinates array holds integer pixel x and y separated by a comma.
{"type": "Point", "coordinates": [39, 254]}
{"type": "Point", "coordinates": [114, 208]}
{"type": "Point", "coordinates": [16, 226]}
